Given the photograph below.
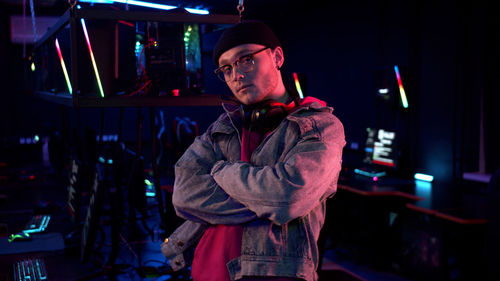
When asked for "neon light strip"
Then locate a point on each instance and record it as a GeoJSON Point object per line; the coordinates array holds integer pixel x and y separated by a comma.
{"type": "Point", "coordinates": [369, 174]}
{"type": "Point", "coordinates": [45, 222]}
{"type": "Point", "coordinates": [42, 227]}
{"type": "Point", "coordinates": [197, 11]}
{"type": "Point", "coordinates": [297, 85]}
{"type": "Point", "coordinates": [97, 1]}
{"type": "Point", "coordinates": [383, 162]}
{"type": "Point", "coordinates": [92, 57]}
{"type": "Point", "coordinates": [423, 177]}
{"type": "Point", "coordinates": [63, 65]}
{"type": "Point", "coordinates": [401, 89]}
{"type": "Point", "coordinates": [148, 5]}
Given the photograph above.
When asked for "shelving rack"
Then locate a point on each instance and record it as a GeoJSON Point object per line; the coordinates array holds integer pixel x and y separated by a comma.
{"type": "Point", "coordinates": [77, 99]}
{"type": "Point", "coordinates": [81, 98]}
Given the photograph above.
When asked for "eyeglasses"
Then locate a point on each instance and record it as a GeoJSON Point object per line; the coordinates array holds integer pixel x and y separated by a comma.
{"type": "Point", "coordinates": [245, 64]}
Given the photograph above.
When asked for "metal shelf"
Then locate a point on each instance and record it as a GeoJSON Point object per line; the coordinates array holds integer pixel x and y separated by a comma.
{"type": "Point", "coordinates": [71, 16]}
{"type": "Point", "coordinates": [60, 98]}
{"type": "Point", "coordinates": [125, 101]}
{"type": "Point", "coordinates": [155, 15]}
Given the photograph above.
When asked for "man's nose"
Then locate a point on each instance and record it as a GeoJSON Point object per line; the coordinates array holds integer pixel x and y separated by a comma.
{"type": "Point", "coordinates": [238, 74]}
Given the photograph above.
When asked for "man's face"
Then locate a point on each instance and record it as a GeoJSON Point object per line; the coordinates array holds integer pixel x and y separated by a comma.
{"type": "Point", "coordinates": [262, 82]}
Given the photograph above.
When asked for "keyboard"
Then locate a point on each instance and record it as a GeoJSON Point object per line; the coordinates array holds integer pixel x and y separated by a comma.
{"type": "Point", "coordinates": [32, 269]}
{"type": "Point", "coordinates": [37, 223]}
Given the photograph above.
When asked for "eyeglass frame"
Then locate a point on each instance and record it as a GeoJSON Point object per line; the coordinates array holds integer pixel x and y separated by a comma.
{"type": "Point", "coordinates": [235, 64]}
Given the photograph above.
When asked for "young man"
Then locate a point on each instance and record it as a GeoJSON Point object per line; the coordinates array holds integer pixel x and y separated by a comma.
{"type": "Point", "coordinates": [253, 187]}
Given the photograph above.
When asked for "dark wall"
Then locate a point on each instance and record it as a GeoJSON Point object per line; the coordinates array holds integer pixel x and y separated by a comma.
{"type": "Point", "coordinates": [448, 53]}
{"type": "Point", "coordinates": [20, 114]}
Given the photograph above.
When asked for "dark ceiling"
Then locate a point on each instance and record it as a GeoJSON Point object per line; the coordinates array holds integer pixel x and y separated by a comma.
{"type": "Point", "coordinates": [215, 6]}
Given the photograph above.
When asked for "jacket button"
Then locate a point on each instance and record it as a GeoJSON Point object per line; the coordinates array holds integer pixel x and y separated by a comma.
{"type": "Point", "coordinates": [180, 244]}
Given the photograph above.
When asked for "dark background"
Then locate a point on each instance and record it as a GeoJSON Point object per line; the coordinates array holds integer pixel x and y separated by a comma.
{"type": "Point", "coordinates": [448, 53]}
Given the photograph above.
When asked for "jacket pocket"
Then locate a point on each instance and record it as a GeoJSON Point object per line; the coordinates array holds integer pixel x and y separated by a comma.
{"type": "Point", "coordinates": [298, 240]}
{"type": "Point", "coordinates": [262, 239]}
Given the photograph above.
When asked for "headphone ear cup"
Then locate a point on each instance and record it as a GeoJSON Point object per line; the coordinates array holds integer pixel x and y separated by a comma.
{"type": "Point", "coordinates": [253, 115]}
{"type": "Point", "coordinates": [257, 114]}
{"type": "Point", "coordinates": [265, 116]}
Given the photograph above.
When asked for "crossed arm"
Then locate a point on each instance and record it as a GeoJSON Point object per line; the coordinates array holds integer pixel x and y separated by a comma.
{"type": "Point", "coordinates": [210, 189]}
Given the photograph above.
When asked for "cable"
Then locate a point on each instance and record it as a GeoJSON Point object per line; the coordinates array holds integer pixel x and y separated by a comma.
{"type": "Point", "coordinates": [33, 22]}
{"type": "Point", "coordinates": [24, 28]}
{"type": "Point", "coordinates": [144, 77]}
{"type": "Point", "coordinates": [240, 9]}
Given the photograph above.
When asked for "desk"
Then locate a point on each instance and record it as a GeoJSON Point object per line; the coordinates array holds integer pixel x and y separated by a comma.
{"type": "Point", "coordinates": [433, 231]}
{"type": "Point", "coordinates": [360, 216]}
{"type": "Point", "coordinates": [385, 186]}
{"type": "Point", "coordinates": [380, 191]}
{"type": "Point", "coordinates": [445, 215]}
{"type": "Point", "coordinates": [445, 233]}
{"type": "Point", "coordinates": [445, 201]}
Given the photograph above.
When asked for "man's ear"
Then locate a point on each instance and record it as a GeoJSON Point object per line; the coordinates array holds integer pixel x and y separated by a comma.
{"type": "Point", "coordinates": [279, 59]}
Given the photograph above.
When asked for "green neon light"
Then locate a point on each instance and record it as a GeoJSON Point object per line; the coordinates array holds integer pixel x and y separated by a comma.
{"type": "Point", "coordinates": [12, 237]}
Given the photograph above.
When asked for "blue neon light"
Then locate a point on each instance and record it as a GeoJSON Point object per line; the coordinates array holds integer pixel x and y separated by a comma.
{"type": "Point", "coordinates": [197, 11]}
{"type": "Point", "coordinates": [148, 5]}
{"type": "Point", "coordinates": [41, 227]}
{"type": "Point", "coordinates": [370, 174]}
{"type": "Point", "coordinates": [145, 4]}
{"type": "Point", "coordinates": [423, 177]}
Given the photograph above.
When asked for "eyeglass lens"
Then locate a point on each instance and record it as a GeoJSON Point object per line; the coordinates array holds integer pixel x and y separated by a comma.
{"type": "Point", "coordinates": [244, 64]}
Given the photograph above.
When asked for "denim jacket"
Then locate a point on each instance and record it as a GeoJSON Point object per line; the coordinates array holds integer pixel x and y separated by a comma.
{"type": "Point", "coordinates": [279, 196]}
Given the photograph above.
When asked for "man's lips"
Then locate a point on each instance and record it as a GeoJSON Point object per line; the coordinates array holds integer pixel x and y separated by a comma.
{"type": "Point", "coordinates": [243, 87]}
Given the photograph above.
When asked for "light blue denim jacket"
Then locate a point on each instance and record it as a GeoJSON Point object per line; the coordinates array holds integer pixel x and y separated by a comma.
{"type": "Point", "coordinates": [279, 196]}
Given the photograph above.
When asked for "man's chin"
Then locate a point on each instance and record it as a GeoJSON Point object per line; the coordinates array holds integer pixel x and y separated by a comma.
{"type": "Point", "coordinates": [248, 101]}
{"type": "Point", "coordinates": [245, 98]}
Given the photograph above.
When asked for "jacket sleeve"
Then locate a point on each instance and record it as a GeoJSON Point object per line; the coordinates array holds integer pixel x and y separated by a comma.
{"type": "Point", "coordinates": [179, 247]}
{"type": "Point", "coordinates": [196, 196]}
{"type": "Point", "coordinates": [292, 187]}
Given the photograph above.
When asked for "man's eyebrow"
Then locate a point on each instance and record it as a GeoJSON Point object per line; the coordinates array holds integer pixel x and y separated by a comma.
{"type": "Point", "coordinates": [238, 55]}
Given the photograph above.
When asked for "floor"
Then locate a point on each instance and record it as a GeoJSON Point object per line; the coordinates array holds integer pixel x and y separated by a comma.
{"type": "Point", "coordinates": [32, 189]}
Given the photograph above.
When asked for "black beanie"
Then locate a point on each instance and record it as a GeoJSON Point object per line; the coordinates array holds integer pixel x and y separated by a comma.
{"type": "Point", "coordinates": [245, 32]}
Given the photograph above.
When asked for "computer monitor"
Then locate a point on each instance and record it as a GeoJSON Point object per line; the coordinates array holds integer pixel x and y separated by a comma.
{"type": "Point", "coordinates": [381, 152]}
